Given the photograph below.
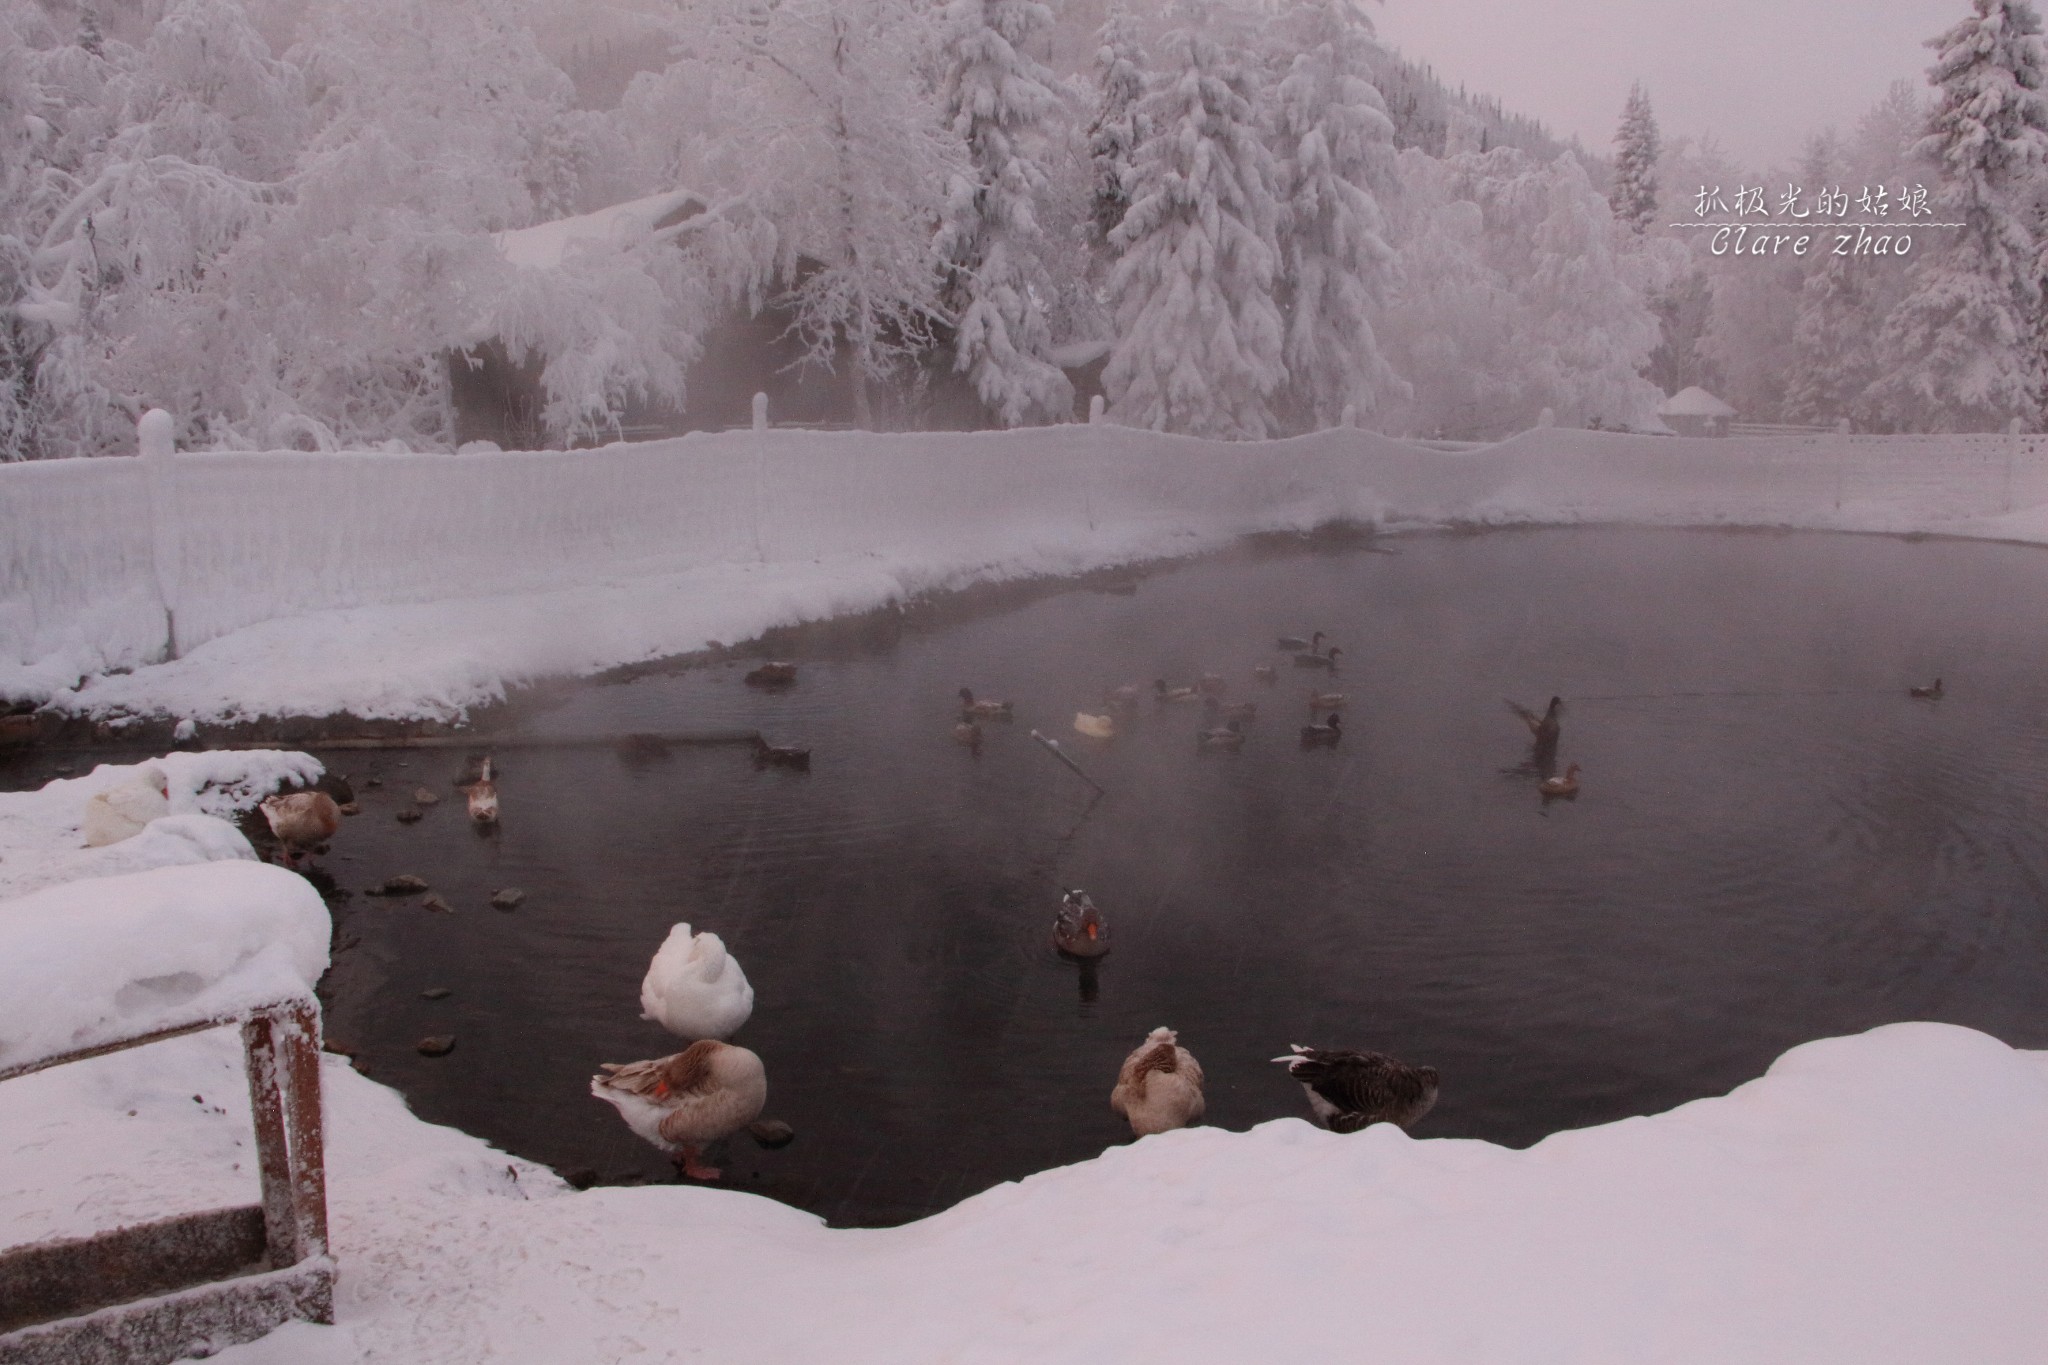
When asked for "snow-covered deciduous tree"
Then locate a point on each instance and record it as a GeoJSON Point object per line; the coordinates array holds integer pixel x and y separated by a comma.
{"type": "Point", "coordinates": [1634, 196]}
{"type": "Point", "coordinates": [1200, 341]}
{"type": "Point", "coordinates": [822, 120]}
{"type": "Point", "coordinates": [1116, 130]}
{"type": "Point", "coordinates": [1963, 350]}
{"type": "Point", "coordinates": [999, 99]}
{"type": "Point", "coordinates": [1335, 150]}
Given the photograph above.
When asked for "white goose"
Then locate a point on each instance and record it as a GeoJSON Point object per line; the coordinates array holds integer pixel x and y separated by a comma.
{"type": "Point", "coordinates": [1160, 1085]}
{"type": "Point", "coordinates": [694, 988]}
{"type": "Point", "coordinates": [120, 812]}
{"type": "Point", "coordinates": [681, 1103]}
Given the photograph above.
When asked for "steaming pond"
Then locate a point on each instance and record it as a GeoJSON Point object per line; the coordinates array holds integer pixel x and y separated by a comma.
{"type": "Point", "coordinates": [1773, 844]}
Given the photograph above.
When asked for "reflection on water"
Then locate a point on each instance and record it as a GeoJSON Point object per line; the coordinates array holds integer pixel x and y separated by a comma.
{"type": "Point", "coordinates": [1773, 844]}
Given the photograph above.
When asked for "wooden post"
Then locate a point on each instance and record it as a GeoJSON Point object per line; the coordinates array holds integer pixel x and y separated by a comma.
{"type": "Point", "coordinates": [273, 1154]}
{"type": "Point", "coordinates": [296, 1034]}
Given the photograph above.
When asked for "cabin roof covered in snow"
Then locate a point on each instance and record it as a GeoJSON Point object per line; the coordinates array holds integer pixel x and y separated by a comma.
{"type": "Point", "coordinates": [1694, 402]}
{"type": "Point", "coordinates": [542, 246]}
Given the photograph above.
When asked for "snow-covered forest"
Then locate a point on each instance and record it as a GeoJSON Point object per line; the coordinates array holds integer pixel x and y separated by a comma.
{"type": "Point", "coordinates": [285, 221]}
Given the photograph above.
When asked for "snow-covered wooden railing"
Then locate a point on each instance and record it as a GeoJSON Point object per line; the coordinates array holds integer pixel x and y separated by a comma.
{"type": "Point", "coordinates": [162, 1290]}
{"type": "Point", "coordinates": [110, 963]}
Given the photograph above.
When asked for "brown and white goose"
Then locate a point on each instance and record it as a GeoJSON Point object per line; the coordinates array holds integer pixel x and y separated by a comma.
{"type": "Point", "coordinates": [483, 797]}
{"type": "Point", "coordinates": [300, 820]}
{"type": "Point", "coordinates": [683, 1103]}
{"type": "Point", "coordinates": [1159, 1087]}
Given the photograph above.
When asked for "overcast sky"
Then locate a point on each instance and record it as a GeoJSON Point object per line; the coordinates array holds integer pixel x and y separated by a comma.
{"type": "Point", "coordinates": [1759, 75]}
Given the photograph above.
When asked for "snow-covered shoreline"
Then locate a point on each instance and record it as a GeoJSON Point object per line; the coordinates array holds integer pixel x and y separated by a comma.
{"type": "Point", "coordinates": [450, 580]}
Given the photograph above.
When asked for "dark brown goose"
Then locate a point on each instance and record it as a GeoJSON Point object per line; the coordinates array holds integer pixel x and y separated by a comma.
{"type": "Point", "coordinates": [1350, 1090]}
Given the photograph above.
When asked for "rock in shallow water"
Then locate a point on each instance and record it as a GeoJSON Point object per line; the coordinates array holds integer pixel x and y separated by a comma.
{"type": "Point", "coordinates": [407, 817]}
{"type": "Point", "coordinates": [437, 904]}
{"type": "Point", "coordinates": [507, 899]}
{"type": "Point", "coordinates": [425, 796]}
{"type": "Point", "coordinates": [440, 1045]}
{"type": "Point", "coordinates": [436, 993]}
{"type": "Point", "coordinates": [404, 884]}
{"type": "Point", "coordinates": [772, 1133]}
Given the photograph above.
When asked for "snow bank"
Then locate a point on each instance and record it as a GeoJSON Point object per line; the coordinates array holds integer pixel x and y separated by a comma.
{"type": "Point", "coordinates": [42, 841]}
{"type": "Point", "coordinates": [1874, 1200]}
{"type": "Point", "coordinates": [95, 961]}
{"type": "Point", "coordinates": [407, 584]}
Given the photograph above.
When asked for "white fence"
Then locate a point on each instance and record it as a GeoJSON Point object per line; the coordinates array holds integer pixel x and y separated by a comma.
{"type": "Point", "coordinates": [98, 556]}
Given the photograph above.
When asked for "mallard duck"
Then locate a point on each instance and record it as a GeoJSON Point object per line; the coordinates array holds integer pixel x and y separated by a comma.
{"type": "Point", "coordinates": [1329, 732]}
{"type": "Point", "coordinates": [1349, 1090]}
{"type": "Point", "coordinates": [1079, 929]}
{"type": "Point", "coordinates": [1568, 785]}
{"type": "Point", "coordinates": [983, 710]}
{"type": "Point", "coordinates": [694, 988]}
{"type": "Point", "coordinates": [1161, 692]}
{"type": "Point", "coordinates": [1159, 1087]}
{"type": "Point", "coordinates": [1226, 736]}
{"type": "Point", "coordinates": [1328, 660]}
{"type": "Point", "coordinates": [1325, 701]}
{"type": "Point", "coordinates": [768, 755]}
{"type": "Point", "coordinates": [121, 811]}
{"type": "Point", "coordinates": [1927, 693]}
{"type": "Point", "coordinates": [1266, 674]}
{"type": "Point", "coordinates": [776, 673]}
{"type": "Point", "coordinates": [1545, 726]}
{"type": "Point", "coordinates": [483, 797]}
{"type": "Point", "coordinates": [1095, 727]}
{"type": "Point", "coordinates": [968, 733]}
{"type": "Point", "coordinates": [1314, 644]}
{"type": "Point", "coordinates": [300, 820]}
{"type": "Point", "coordinates": [1231, 710]}
{"type": "Point", "coordinates": [682, 1103]}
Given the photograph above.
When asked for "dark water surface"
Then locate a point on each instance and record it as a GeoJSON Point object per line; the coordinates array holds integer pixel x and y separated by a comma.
{"type": "Point", "coordinates": [1773, 845]}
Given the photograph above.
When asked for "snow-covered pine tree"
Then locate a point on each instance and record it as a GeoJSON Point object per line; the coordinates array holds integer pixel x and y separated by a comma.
{"type": "Point", "coordinates": [1200, 335]}
{"type": "Point", "coordinates": [1963, 350]}
{"type": "Point", "coordinates": [1335, 145]}
{"type": "Point", "coordinates": [1833, 360]}
{"type": "Point", "coordinates": [997, 98]}
{"type": "Point", "coordinates": [1115, 132]}
{"type": "Point", "coordinates": [1634, 196]}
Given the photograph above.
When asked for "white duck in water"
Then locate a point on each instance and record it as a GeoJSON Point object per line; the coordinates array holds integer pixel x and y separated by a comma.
{"type": "Point", "coordinates": [682, 1103]}
{"type": "Point", "coordinates": [694, 988]}
{"type": "Point", "coordinates": [1160, 1085]}
{"type": "Point", "coordinates": [120, 812]}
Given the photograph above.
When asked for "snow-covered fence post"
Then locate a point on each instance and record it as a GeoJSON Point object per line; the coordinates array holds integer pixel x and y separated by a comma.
{"type": "Point", "coordinates": [1095, 411]}
{"type": "Point", "coordinates": [760, 474]}
{"type": "Point", "coordinates": [156, 443]}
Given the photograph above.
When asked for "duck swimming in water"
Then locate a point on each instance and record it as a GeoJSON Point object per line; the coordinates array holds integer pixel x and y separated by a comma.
{"type": "Point", "coordinates": [1926, 693]}
{"type": "Point", "coordinates": [1225, 736]}
{"type": "Point", "coordinates": [1159, 1087]}
{"type": "Point", "coordinates": [483, 797]}
{"type": "Point", "coordinates": [1095, 727]}
{"type": "Point", "coordinates": [1568, 785]}
{"type": "Point", "coordinates": [1325, 701]}
{"type": "Point", "coordinates": [1328, 733]}
{"type": "Point", "coordinates": [1350, 1090]}
{"type": "Point", "coordinates": [1079, 929]}
{"type": "Point", "coordinates": [983, 710]}
{"type": "Point", "coordinates": [684, 1102]}
{"type": "Point", "coordinates": [694, 988]}
{"type": "Point", "coordinates": [1161, 692]}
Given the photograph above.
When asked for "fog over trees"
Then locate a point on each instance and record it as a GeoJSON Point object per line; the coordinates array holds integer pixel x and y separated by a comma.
{"type": "Point", "coordinates": [283, 221]}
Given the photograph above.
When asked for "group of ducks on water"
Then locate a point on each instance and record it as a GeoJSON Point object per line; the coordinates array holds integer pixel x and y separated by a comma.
{"type": "Point", "coordinates": [1226, 719]}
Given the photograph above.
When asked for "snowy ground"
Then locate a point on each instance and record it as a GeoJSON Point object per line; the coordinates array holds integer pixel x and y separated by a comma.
{"type": "Point", "coordinates": [423, 585]}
